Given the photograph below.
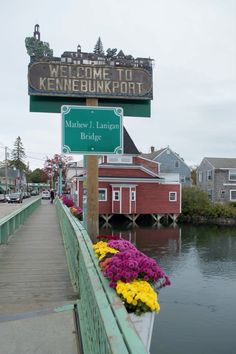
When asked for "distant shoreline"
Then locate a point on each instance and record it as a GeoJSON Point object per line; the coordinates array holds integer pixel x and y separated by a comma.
{"type": "Point", "coordinates": [203, 220]}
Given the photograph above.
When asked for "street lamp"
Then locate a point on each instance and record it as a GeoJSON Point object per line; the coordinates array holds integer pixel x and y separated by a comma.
{"type": "Point", "coordinates": [60, 178]}
{"type": "Point", "coordinates": [53, 168]}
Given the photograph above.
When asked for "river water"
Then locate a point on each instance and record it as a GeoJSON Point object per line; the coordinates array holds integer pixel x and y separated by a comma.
{"type": "Point", "coordinates": [198, 311]}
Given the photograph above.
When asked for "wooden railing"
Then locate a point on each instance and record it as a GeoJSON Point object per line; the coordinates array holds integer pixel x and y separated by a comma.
{"type": "Point", "coordinates": [10, 223]}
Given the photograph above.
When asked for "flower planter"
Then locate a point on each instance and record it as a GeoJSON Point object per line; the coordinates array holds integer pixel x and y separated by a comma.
{"type": "Point", "coordinates": [136, 279]}
{"type": "Point", "coordinates": [144, 327]}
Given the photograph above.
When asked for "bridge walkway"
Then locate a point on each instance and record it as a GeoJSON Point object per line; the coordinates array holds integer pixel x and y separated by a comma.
{"type": "Point", "coordinates": [35, 288]}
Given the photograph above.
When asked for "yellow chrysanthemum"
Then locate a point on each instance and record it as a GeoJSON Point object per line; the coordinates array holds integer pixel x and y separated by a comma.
{"type": "Point", "coordinates": [138, 290]}
{"type": "Point", "coordinates": [101, 249]}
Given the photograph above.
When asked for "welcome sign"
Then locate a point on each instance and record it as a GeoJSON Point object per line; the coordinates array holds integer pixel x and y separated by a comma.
{"type": "Point", "coordinates": [57, 79]}
{"type": "Point", "coordinates": [111, 76]}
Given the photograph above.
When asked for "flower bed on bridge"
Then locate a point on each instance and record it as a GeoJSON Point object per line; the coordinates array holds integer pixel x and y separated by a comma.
{"type": "Point", "coordinates": [76, 211]}
{"type": "Point", "coordinates": [131, 273]}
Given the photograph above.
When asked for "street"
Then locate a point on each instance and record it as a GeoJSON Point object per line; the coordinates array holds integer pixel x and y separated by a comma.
{"type": "Point", "coordinates": [8, 208]}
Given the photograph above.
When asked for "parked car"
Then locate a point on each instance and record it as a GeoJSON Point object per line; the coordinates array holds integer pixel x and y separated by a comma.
{"type": "Point", "coordinates": [26, 195]}
{"type": "Point", "coordinates": [15, 198]}
{"type": "Point", "coordinates": [34, 192]}
{"type": "Point", "coordinates": [45, 195]}
{"type": "Point", "coordinates": [2, 198]}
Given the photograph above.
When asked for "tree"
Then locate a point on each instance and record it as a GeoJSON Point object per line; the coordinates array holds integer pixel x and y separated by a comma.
{"type": "Point", "coordinates": [111, 52]}
{"type": "Point", "coordinates": [98, 49]}
{"type": "Point", "coordinates": [17, 155]}
{"type": "Point", "coordinates": [51, 167]}
{"type": "Point", "coordinates": [37, 48]}
{"type": "Point", "coordinates": [194, 176]}
{"type": "Point", "coordinates": [38, 176]}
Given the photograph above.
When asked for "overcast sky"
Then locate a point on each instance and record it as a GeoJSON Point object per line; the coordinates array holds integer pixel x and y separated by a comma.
{"type": "Point", "coordinates": [193, 43]}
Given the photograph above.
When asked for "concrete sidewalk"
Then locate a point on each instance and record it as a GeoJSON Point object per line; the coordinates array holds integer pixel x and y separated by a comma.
{"type": "Point", "coordinates": [39, 332]}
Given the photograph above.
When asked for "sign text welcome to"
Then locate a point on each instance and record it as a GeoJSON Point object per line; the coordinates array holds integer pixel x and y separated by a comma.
{"type": "Point", "coordinates": [89, 81]}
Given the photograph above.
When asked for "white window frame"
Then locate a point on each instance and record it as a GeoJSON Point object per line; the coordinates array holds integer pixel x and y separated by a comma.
{"type": "Point", "coordinates": [200, 176]}
{"type": "Point", "coordinates": [105, 190]}
{"type": "Point", "coordinates": [230, 194]}
{"type": "Point", "coordinates": [209, 175]}
{"type": "Point", "coordinates": [175, 196]}
{"type": "Point", "coordinates": [233, 172]}
{"type": "Point", "coordinates": [182, 179]}
{"type": "Point", "coordinates": [119, 159]}
{"type": "Point", "coordinates": [133, 196]}
{"type": "Point", "coordinates": [116, 196]}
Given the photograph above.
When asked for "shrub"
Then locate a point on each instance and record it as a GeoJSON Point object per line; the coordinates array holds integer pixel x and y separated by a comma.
{"type": "Point", "coordinates": [232, 204]}
{"type": "Point", "coordinates": [195, 203]}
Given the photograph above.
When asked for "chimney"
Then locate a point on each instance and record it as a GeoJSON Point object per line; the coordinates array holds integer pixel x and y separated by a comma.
{"type": "Point", "coordinates": [152, 148]}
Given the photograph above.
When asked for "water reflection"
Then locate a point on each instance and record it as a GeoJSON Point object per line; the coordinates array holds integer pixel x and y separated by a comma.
{"type": "Point", "coordinates": [198, 312]}
{"type": "Point", "coordinates": [147, 238]}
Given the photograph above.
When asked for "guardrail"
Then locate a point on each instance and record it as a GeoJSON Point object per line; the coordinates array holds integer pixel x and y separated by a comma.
{"type": "Point", "coordinates": [10, 223]}
{"type": "Point", "coordinates": [104, 323]}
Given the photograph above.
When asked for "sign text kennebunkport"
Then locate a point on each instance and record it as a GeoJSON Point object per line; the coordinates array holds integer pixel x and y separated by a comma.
{"type": "Point", "coordinates": [48, 78]}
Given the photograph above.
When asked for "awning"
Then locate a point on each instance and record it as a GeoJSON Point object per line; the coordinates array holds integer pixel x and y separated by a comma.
{"type": "Point", "coordinates": [3, 188]}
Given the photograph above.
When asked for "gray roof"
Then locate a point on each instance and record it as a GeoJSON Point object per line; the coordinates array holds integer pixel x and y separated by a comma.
{"type": "Point", "coordinates": [222, 162]}
{"type": "Point", "coordinates": [153, 155]}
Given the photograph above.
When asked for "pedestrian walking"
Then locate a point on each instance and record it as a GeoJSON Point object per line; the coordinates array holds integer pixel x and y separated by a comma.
{"type": "Point", "coordinates": [52, 196]}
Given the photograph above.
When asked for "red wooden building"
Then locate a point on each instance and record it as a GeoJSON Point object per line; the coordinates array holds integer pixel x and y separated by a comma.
{"type": "Point", "coordinates": [131, 185]}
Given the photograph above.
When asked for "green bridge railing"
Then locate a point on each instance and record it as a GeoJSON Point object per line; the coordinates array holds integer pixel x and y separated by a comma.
{"type": "Point", "coordinates": [10, 223]}
{"type": "Point", "coordinates": [105, 326]}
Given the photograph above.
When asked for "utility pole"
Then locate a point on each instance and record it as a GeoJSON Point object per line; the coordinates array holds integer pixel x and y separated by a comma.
{"type": "Point", "coordinates": [6, 169]}
{"type": "Point", "coordinates": [92, 188]}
